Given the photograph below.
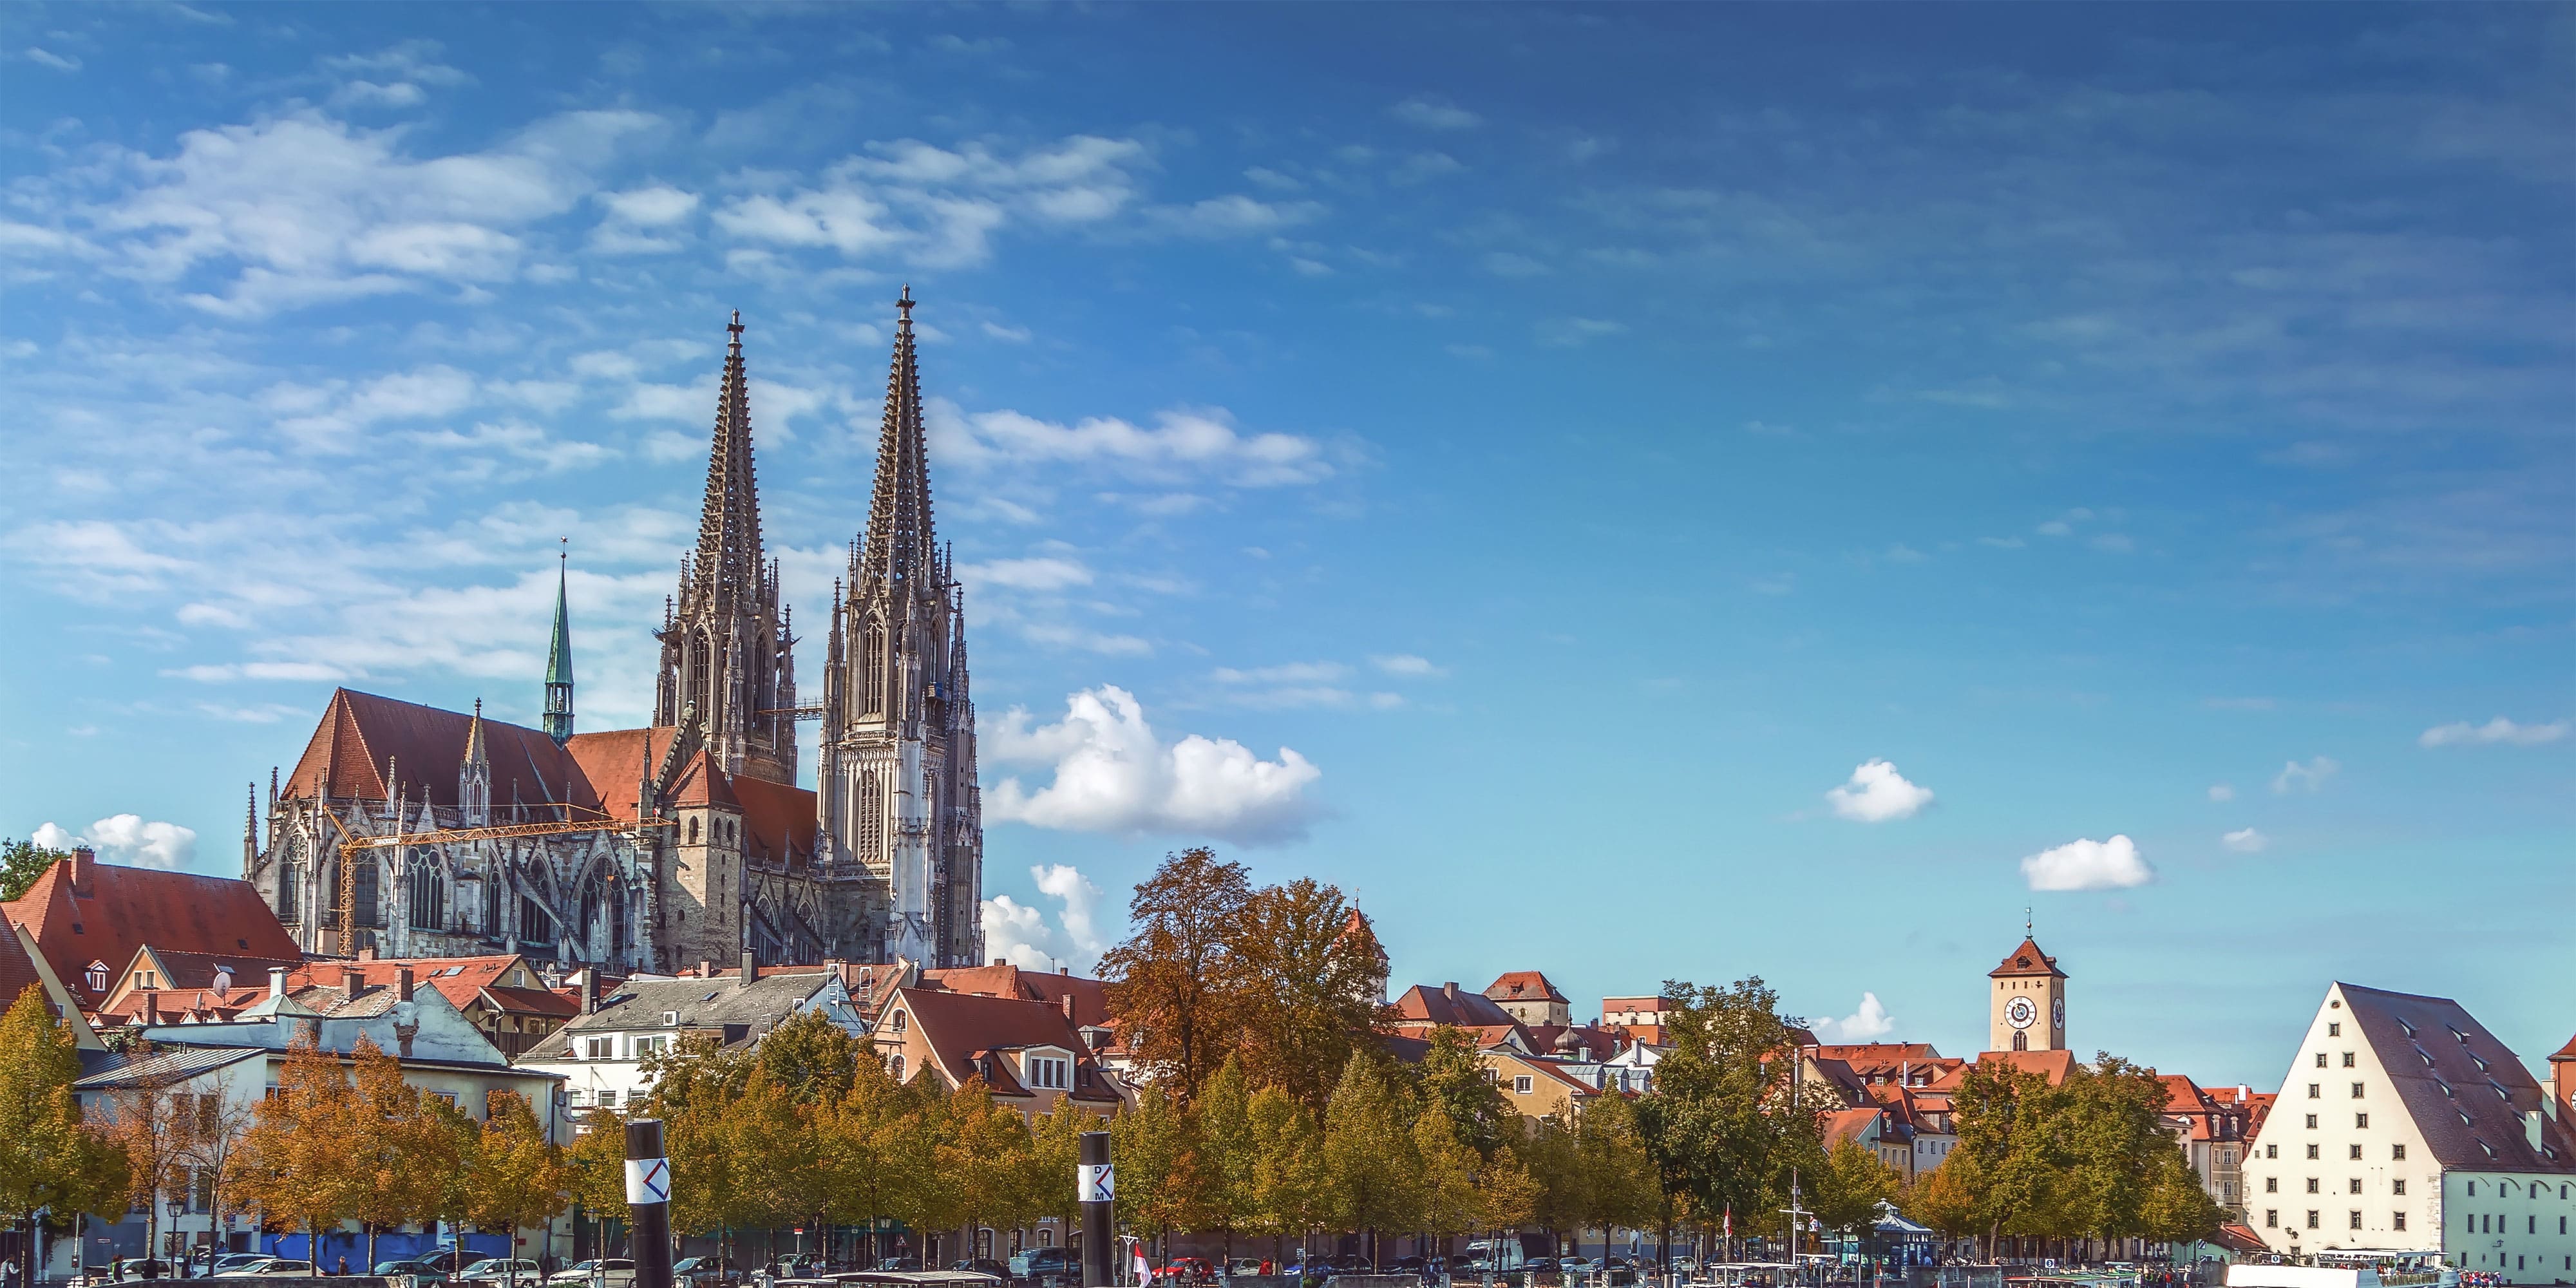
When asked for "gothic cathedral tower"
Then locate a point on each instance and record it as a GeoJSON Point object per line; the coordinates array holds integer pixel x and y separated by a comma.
{"type": "Point", "coordinates": [727, 660]}
{"type": "Point", "coordinates": [2028, 1002]}
{"type": "Point", "coordinates": [899, 796]}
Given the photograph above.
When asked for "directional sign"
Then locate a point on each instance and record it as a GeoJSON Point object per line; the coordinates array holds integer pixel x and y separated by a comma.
{"type": "Point", "coordinates": [648, 1180]}
{"type": "Point", "coordinates": [1098, 1183]}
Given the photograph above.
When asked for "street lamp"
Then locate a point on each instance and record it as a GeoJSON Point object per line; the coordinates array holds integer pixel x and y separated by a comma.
{"type": "Point", "coordinates": [178, 1207]}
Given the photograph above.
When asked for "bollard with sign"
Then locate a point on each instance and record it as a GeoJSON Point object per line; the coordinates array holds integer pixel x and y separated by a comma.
{"type": "Point", "coordinates": [1096, 1184]}
{"type": "Point", "coordinates": [648, 1203]}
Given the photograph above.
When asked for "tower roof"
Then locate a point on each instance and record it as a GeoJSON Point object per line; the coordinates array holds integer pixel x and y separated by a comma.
{"type": "Point", "coordinates": [478, 749]}
{"type": "Point", "coordinates": [558, 649]}
{"type": "Point", "coordinates": [729, 553]}
{"type": "Point", "coordinates": [898, 548]}
{"type": "Point", "coordinates": [2026, 960]}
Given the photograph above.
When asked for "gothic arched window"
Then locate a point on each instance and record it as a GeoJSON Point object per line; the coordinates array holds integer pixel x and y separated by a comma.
{"type": "Point", "coordinates": [370, 877]}
{"type": "Point", "coordinates": [617, 929]}
{"type": "Point", "coordinates": [872, 670]}
{"type": "Point", "coordinates": [2021, 1041]}
{"type": "Point", "coordinates": [492, 890]}
{"type": "Point", "coordinates": [702, 678]}
{"type": "Point", "coordinates": [290, 882]}
{"type": "Point", "coordinates": [428, 896]}
{"type": "Point", "coordinates": [871, 815]}
{"type": "Point", "coordinates": [590, 909]}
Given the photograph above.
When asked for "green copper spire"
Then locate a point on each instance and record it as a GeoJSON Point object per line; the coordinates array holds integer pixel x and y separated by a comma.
{"type": "Point", "coordinates": [558, 722]}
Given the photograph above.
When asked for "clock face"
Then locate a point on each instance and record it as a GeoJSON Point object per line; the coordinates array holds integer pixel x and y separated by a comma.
{"type": "Point", "coordinates": [2057, 1013]}
{"type": "Point", "coordinates": [2020, 1013]}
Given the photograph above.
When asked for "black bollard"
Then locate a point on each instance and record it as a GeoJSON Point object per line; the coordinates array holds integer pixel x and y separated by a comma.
{"type": "Point", "coordinates": [1097, 1185]}
{"type": "Point", "coordinates": [648, 1203]}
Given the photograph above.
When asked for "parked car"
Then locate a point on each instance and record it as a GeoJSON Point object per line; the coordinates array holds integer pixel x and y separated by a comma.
{"type": "Point", "coordinates": [233, 1261]}
{"type": "Point", "coordinates": [900, 1263]}
{"type": "Point", "coordinates": [617, 1272]}
{"type": "Point", "coordinates": [507, 1272]}
{"type": "Point", "coordinates": [268, 1266]}
{"type": "Point", "coordinates": [1184, 1270]}
{"type": "Point", "coordinates": [1243, 1266]}
{"type": "Point", "coordinates": [701, 1272]}
{"type": "Point", "coordinates": [1031, 1263]}
{"type": "Point", "coordinates": [409, 1266]}
{"type": "Point", "coordinates": [982, 1266]}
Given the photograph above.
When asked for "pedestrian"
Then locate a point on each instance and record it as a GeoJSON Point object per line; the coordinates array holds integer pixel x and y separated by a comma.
{"type": "Point", "coordinates": [344, 1264]}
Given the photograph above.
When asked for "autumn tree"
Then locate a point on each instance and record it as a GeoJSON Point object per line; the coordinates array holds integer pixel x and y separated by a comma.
{"type": "Point", "coordinates": [49, 1156]}
{"type": "Point", "coordinates": [153, 1120]}
{"type": "Point", "coordinates": [694, 1086]}
{"type": "Point", "coordinates": [1228, 1152]}
{"type": "Point", "coordinates": [1160, 1182]}
{"type": "Point", "coordinates": [299, 1168]}
{"type": "Point", "coordinates": [913, 1143]}
{"type": "Point", "coordinates": [398, 1155]}
{"type": "Point", "coordinates": [1560, 1199]}
{"type": "Point", "coordinates": [987, 1152]}
{"type": "Point", "coordinates": [519, 1178]}
{"type": "Point", "coordinates": [1310, 983]}
{"type": "Point", "coordinates": [1176, 982]}
{"type": "Point", "coordinates": [1946, 1199]}
{"type": "Point", "coordinates": [214, 1149]}
{"type": "Point", "coordinates": [595, 1168]}
{"type": "Point", "coordinates": [1446, 1200]}
{"type": "Point", "coordinates": [1055, 1151]}
{"type": "Point", "coordinates": [855, 1148]}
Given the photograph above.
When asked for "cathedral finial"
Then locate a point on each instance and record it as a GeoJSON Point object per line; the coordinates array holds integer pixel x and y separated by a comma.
{"type": "Point", "coordinates": [558, 718]}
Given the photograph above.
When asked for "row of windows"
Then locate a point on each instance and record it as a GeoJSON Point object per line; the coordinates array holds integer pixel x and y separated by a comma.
{"type": "Point", "coordinates": [2499, 1223]}
{"type": "Point", "coordinates": [2272, 1185]}
{"type": "Point", "coordinates": [2272, 1219]}
{"type": "Point", "coordinates": [2396, 1153]}
{"type": "Point", "coordinates": [2537, 1189]}
{"type": "Point", "coordinates": [2317, 1090]}
{"type": "Point", "coordinates": [2347, 1059]}
{"type": "Point", "coordinates": [638, 1046]}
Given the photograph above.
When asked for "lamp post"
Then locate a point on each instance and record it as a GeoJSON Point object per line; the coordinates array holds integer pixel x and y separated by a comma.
{"type": "Point", "coordinates": [177, 1204]}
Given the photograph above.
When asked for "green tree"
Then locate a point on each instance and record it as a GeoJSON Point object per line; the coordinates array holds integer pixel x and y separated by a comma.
{"type": "Point", "coordinates": [1726, 1125]}
{"type": "Point", "coordinates": [988, 1153]}
{"type": "Point", "coordinates": [49, 1157]}
{"type": "Point", "coordinates": [1446, 1200]}
{"type": "Point", "coordinates": [925, 1194]}
{"type": "Point", "coordinates": [854, 1145]}
{"type": "Point", "coordinates": [2177, 1209]}
{"type": "Point", "coordinates": [810, 1056]}
{"type": "Point", "coordinates": [1229, 1153]}
{"type": "Point", "coordinates": [1945, 1199]}
{"type": "Point", "coordinates": [1847, 1190]}
{"type": "Point", "coordinates": [1288, 1169]}
{"type": "Point", "coordinates": [1455, 1083]}
{"type": "Point", "coordinates": [1176, 982]}
{"type": "Point", "coordinates": [1561, 1197]}
{"type": "Point", "coordinates": [1371, 1172]}
{"type": "Point", "coordinates": [773, 1156]}
{"type": "Point", "coordinates": [21, 862]}
{"type": "Point", "coordinates": [1159, 1176]}
{"type": "Point", "coordinates": [1621, 1192]}
{"type": "Point", "coordinates": [1055, 1151]}
{"type": "Point", "coordinates": [1310, 988]}
{"type": "Point", "coordinates": [694, 1087]}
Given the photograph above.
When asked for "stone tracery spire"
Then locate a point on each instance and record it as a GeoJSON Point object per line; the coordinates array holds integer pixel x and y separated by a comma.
{"type": "Point", "coordinates": [729, 560]}
{"type": "Point", "coordinates": [898, 552]}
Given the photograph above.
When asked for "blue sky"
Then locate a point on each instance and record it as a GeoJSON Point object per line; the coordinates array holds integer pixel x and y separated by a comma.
{"type": "Point", "coordinates": [1638, 493]}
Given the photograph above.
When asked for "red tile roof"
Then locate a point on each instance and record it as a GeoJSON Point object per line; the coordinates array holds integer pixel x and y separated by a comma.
{"type": "Point", "coordinates": [1592, 1041]}
{"type": "Point", "coordinates": [17, 970]}
{"type": "Point", "coordinates": [1450, 1004]}
{"type": "Point", "coordinates": [2026, 960]}
{"type": "Point", "coordinates": [2052, 1065]}
{"type": "Point", "coordinates": [116, 910]}
{"type": "Point", "coordinates": [1840, 1125]}
{"type": "Point", "coordinates": [960, 1027]}
{"type": "Point", "coordinates": [1522, 986]}
{"type": "Point", "coordinates": [1090, 996]}
{"type": "Point", "coordinates": [359, 732]}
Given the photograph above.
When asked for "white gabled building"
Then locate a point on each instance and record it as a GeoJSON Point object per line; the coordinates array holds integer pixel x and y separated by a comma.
{"type": "Point", "coordinates": [2403, 1124]}
{"type": "Point", "coordinates": [601, 1054]}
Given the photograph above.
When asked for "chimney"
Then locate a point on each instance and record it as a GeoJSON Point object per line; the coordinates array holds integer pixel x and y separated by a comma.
{"type": "Point", "coordinates": [402, 982]}
{"type": "Point", "coordinates": [1068, 1008]}
{"type": "Point", "coordinates": [84, 861]}
{"type": "Point", "coordinates": [277, 981]}
{"type": "Point", "coordinates": [1450, 990]}
{"type": "Point", "coordinates": [2531, 1128]}
{"type": "Point", "coordinates": [589, 992]}
{"type": "Point", "coordinates": [352, 982]}
{"type": "Point", "coordinates": [750, 968]}
{"type": "Point", "coordinates": [706, 969]}
{"type": "Point", "coordinates": [1001, 961]}
{"type": "Point", "coordinates": [366, 954]}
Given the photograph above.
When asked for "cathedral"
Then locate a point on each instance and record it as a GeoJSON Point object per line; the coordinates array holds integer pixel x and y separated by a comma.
{"type": "Point", "coordinates": [420, 832]}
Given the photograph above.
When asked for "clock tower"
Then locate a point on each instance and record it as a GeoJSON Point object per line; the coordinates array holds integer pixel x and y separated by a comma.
{"type": "Point", "coordinates": [2028, 1002]}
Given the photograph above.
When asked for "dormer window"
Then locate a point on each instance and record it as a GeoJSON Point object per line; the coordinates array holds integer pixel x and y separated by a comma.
{"type": "Point", "coordinates": [1052, 1073]}
{"type": "Point", "coordinates": [96, 977]}
{"type": "Point", "coordinates": [671, 1018]}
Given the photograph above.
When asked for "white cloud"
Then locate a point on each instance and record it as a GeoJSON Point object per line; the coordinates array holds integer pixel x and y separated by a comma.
{"type": "Point", "coordinates": [1235, 215]}
{"type": "Point", "coordinates": [940, 206]}
{"type": "Point", "coordinates": [1878, 794]}
{"type": "Point", "coordinates": [2114, 864]}
{"type": "Point", "coordinates": [301, 209]}
{"type": "Point", "coordinates": [129, 840]}
{"type": "Point", "coordinates": [2245, 841]}
{"type": "Point", "coordinates": [2310, 776]}
{"type": "Point", "coordinates": [1407, 664]}
{"type": "Point", "coordinates": [650, 207]}
{"type": "Point", "coordinates": [1043, 573]}
{"type": "Point", "coordinates": [59, 62]}
{"type": "Point", "coordinates": [1112, 773]}
{"type": "Point", "coordinates": [1869, 1022]}
{"type": "Point", "coordinates": [2221, 792]}
{"type": "Point", "coordinates": [1180, 442]}
{"type": "Point", "coordinates": [1434, 113]}
{"type": "Point", "coordinates": [2461, 733]}
{"type": "Point", "coordinates": [1289, 673]}
{"type": "Point", "coordinates": [1019, 933]}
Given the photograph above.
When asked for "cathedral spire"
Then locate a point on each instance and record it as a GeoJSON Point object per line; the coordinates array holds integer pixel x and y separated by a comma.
{"type": "Point", "coordinates": [558, 719]}
{"type": "Point", "coordinates": [729, 562]}
{"type": "Point", "coordinates": [899, 548]}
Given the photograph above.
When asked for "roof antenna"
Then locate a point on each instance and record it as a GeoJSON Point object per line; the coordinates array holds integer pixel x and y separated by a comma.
{"type": "Point", "coordinates": [2025, 923]}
